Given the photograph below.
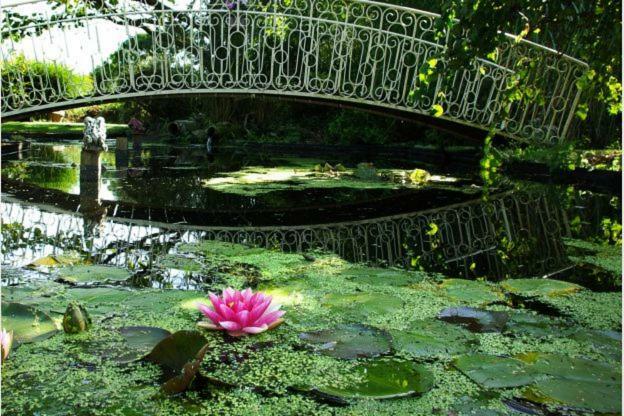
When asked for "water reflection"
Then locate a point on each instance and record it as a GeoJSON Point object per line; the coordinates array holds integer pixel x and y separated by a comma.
{"type": "Point", "coordinates": [158, 175]}
{"type": "Point", "coordinates": [94, 213]}
{"type": "Point", "coordinates": [445, 228]}
{"type": "Point", "coordinates": [513, 234]}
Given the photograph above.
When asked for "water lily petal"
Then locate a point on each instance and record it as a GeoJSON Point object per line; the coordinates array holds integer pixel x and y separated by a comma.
{"type": "Point", "coordinates": [246, 294]}
{"type": "Point", "coordinates": [258, 310]}
{"type": "Point", "coordinates": [212, 315]}
{"type": "Point", "coordinates": [230, 325]}
{"type": "Point", "coordinates": [276, 323]}
{"type": "Point", "coordinates": [242, 318]}
{"type": "Point", "coordinates": [209, 325]}
{"type": "Point", "coordinates": [215, 300]}
{"type": "Point", "coordinates": [229, 295]}
{"type": "Point", "coordinates": [269, 318]}
{"type": "Point", "coordinates": [226, 312]}
{"type": "Point", "coordinates": [255, 329]}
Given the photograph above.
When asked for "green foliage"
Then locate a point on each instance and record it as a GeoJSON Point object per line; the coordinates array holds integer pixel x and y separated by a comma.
{"type": "Point", "coordinates": [567, 156]}
{"type": "Point", "coordinates": [51, 79]}
{"type": "Point", "coordinates": [359, 127]}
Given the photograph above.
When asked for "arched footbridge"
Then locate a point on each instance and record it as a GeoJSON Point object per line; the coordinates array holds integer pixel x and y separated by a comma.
{"type": "Point", "coordinates": [356, 52]}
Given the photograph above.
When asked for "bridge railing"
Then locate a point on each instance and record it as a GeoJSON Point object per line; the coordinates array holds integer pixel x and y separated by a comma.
{"type": "Point", "coordinates": [352, 51]}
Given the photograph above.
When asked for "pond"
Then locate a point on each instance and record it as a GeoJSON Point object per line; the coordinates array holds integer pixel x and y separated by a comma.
{"type": "Point", "coordinates": [404, 293]}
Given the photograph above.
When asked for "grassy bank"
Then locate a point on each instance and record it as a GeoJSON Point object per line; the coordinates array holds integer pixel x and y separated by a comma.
{"type": "Point", "coordinates": [45, 127]}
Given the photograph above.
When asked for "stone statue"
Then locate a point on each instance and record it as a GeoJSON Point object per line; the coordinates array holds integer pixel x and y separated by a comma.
{"type": "Point", "coordinates": [94, 134]}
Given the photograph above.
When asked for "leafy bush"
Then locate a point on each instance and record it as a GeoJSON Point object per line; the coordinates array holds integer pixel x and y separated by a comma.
{"type": "Point", "coordinates": [48, 81]}
{"type": "Point", "coordinates": [359, 127]}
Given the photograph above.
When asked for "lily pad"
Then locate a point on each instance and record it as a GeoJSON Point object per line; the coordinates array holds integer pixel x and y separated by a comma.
{"type": "Point", "coordinates": [172, 261]}
{"type": "Point", "coordinates": [574, 382]}
{"type": "Point", "coordinates": [491, 371]}
{"type": "Point", "coordinates": [523, 323]}
{"type": "Point", "coordinates": [349, 341]}
{"type": "Point", "coordinates": [471, 291]}
{"type": "Point", "coordinates": [27, 323]}
{"type": "Point", "coordinates": [431, 338]}
{"type": "Point", "coordinates": [578, 394]}
{"type": "Point", "coordinates": [57, 260]}
{"type": "Point", "coordinates": [182, 381]}
{"type": "Point", "coordinates": [382, 379]}
{"type": "Point", "coordinates": [609, 342]}
{"type": "Point", "coordinates": [139, 341]}
{"type": "Point", "coordinates": [606, 257]}
{"type": "Point", "coordinates": [573, 368]}
{"type": "Point", "coordinates": [476, 320]}
{"type": "Point", "coordinates": [363, 304]}
{"type": "Point", "coordinates": [180, 355]}
{"type": "Point", "coordinates": [217, 248]}
{"type": "Point", "coordinates": [92, 274]}
{"type": "Point", "coordinates": [540, 287]}
{"type": "Point", "coordinates": [377, 276]}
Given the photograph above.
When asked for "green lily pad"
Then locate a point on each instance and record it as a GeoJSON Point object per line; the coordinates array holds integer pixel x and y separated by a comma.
{"type": "Point", "coordinates": [41, 295]}
{"type": "Point", "coordinates": [494, 372]}
{"type": "Point", "coordinates": [363, 304]}
{"type": "Point", "coordinates": [470, 291]}
{"type": "Point", "coordinates": [92, 274]}
{"type": "Point", "coordinates": [474, 406]}
{"type": "Point", "coordinates": [574, 382]}
{"type": "Point", "coordinates": [180, 355]}
{"type": "Point", "coordinates": [572, 368]}
{"type": "Point", "coordinates": [377, 276]}
{"type": "Point", "coordinates": [27, 323]}
{"type": "Point", "coordinates": [609, 342]}
{"type": "Point", "coordinates": [349, 341]}
{"type": "Point", "coordinates": [218, 248]}
{"type": "Point", "coordinates": [139, 341]}
{"type": "Point", "coordinates": [584, 395]}
{"type": "Point", "coordinates": [101, 300]}
{"type": "Point", "coordinates": [606, 257]}
{"type": "Point", "coordinates": [382, 379]}
{"type": "Point", "coordinates": [57, 260]}
{"type": "Point", "coordinates": [523, 323]}
{"type": "Point", "coordinates": [173, 261]}
{"type": "Point", "coordinates": [431, 338]}
{"type": "Point", "coordinates": [540, 287]}
{"type": "Point", "coordinates": [476, 320]}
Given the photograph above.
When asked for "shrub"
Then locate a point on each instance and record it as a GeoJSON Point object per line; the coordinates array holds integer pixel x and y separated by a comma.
{"type": "Point", "coordinates": [23, 79]}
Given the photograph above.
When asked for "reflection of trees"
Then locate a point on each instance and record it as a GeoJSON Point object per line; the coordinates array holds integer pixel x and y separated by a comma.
{"type": "Point", "coordinates": [48, 167]}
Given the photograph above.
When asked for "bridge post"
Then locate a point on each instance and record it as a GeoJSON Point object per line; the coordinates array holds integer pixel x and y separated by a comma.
{"type": "Point", "coordinates": [90, 167]}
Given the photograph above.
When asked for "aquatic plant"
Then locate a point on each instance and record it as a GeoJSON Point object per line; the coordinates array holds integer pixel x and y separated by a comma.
{"type": "Point", "coordinates": [241, 312]}
{"type": "Point", "coordinates": [6, 340]}
{"type": "Point", "coordinates": [76, 318]}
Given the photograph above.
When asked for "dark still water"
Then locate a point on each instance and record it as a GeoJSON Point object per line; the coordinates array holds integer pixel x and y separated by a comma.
{"type": "Point", "coordinates": [363, 207]}
{"type": "Point", "coordinates": [234, 187]}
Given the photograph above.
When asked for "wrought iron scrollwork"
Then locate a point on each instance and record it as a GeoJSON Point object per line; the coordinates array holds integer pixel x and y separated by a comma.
{"type": "Point", "coordinates": [359, 51]}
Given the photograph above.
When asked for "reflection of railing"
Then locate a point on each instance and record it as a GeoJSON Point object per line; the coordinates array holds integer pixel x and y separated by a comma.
{"type": "Point", "coordinates": [357, 51]}
{"type": "Point", "coordinates": [510, 231]}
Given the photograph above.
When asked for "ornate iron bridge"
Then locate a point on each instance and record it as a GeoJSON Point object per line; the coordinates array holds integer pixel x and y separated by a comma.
{"type": "Point", "coordinates": [526, 229]}
{"type": "Point", "coordinates": [359, 52]}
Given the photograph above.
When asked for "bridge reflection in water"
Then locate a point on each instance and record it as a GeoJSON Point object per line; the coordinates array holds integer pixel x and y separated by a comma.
{"type": "Point", "coordinates": [519, 233]}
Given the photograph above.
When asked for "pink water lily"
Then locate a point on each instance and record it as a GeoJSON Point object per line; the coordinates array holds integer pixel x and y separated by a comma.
{"type": "Point", "coordinates": [6, 340]}
{"type": "Point", "coordinates": [241, 312]}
